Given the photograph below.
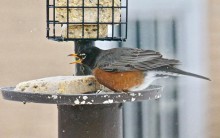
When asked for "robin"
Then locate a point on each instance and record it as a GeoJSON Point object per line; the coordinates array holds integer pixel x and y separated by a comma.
{"type": "Point", "coordinates": [128, 69]}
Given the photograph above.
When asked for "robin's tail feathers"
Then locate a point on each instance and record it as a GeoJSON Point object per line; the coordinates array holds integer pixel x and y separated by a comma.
{"type": "Point", "coordinates": [176, 71]}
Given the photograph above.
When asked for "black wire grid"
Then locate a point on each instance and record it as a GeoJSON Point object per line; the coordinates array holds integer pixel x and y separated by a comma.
{"type": "Point", "coordinates": [116, 30]}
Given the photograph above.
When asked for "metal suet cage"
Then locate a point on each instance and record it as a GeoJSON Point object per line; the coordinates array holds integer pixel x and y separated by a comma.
{"type": "Point", "coordinates": [70, 20]}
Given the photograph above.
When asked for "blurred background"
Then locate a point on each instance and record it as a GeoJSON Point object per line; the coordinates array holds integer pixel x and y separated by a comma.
{"type": "Point", "coordinates": [188, 30]}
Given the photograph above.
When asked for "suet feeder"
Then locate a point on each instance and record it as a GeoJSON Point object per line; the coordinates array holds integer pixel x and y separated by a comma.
{"type": "Point", "coordinates": [70, 20]}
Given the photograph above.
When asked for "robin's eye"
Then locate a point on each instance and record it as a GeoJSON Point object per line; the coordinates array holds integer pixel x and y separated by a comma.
{"type": "Point", "coordinates": [83, 55]}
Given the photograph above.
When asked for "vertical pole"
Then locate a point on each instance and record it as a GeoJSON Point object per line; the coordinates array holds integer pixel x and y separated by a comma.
{"type": "Point", "coordinates": [89, 121]}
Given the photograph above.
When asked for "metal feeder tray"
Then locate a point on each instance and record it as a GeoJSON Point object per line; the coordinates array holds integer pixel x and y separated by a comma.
{"type": "Point", "coordinates": [86, 115]}
{"type": "Point", "coordinates": [8, 93]}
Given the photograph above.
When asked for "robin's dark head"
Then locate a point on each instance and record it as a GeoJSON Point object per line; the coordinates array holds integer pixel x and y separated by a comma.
{"type": "Point", "coordinates": [87, 56]}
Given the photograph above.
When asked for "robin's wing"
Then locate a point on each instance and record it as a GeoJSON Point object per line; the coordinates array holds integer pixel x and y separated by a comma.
{"type": "Point", "coordinates": [127, 59]}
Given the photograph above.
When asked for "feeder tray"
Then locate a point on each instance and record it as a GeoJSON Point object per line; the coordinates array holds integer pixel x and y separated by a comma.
{"type": "Point", "coordinates": [86, 115]}
{"type": "Point", "coordinates": [154, 92]}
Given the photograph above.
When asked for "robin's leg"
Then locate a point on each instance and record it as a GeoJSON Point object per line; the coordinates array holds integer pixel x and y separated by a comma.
{"type": "Point", "coordinates": [125, 91]}
{"type": "Point", "coordinates": [99, 91]}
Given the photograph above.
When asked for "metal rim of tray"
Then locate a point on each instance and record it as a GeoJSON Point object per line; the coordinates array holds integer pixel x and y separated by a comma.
{"type": "Point", "coordinates": [151, 93]}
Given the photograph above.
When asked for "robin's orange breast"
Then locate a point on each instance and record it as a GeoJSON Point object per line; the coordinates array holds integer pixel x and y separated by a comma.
{"type": "Point", "coordinates": [119, 81]}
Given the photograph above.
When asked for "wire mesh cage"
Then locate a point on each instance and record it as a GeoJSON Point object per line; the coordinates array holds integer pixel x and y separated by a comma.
{"type": "Point", "coordinates": [69, 20]}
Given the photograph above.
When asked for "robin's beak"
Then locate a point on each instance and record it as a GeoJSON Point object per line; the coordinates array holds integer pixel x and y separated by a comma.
{"type": "Point", "coordinates": [74, 55]}
{"type": "Point", "coordinates": [78, 61]}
